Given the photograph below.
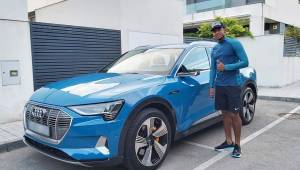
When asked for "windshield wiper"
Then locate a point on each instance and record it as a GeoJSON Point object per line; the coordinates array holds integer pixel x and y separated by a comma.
{"type": "Point", "coordinates": [131, 73]}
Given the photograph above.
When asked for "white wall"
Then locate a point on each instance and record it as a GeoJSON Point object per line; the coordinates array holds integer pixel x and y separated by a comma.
{"type": "Point", "coordinates": [15, 45]}
{"type": "Point", "coordinates": [139, 17]}
{"type": "Point", "coordinates": [291, 67]}
{"type": "Point", "coordinates": [35, 4]}
{"type": "Point", "coordinates": [266, 56]}
{"type": "Point", "coordinates": [254, 12]}
{"type": "Point", "coordinates": [91, 13]}
{"type": "Point", "coordinates": [141, 39]}
{"type": "Point", "coordinates": [13, 10]}
{"type": "Point", "coordinates": [150, 19]}
{"type": "Point", "coordinates": [286, 11]}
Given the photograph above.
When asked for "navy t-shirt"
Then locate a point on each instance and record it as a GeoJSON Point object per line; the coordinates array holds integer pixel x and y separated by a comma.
{"type": "Point", "coordinates": [232, 54]}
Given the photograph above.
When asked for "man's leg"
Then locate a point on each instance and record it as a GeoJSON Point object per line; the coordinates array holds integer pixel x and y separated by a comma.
{"type": "Point", "coordinates": [222, 104]}
{"type": "Point", "coordinates": [234, 101]}
{"type": "Point", "coordinates": [227, 121]}
{"type": "Point", "coordinates": [237, 127]}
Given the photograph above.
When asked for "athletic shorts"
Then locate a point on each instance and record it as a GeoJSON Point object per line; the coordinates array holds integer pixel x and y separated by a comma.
{"type": "Point", "coordinates": [228, 98]}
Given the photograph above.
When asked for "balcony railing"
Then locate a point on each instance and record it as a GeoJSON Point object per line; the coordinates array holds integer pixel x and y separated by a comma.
{"type": "Point", "coordinates": [196, 6]}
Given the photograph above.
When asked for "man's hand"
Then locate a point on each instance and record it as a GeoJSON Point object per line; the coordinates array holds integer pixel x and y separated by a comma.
{"type": "Point", "coordinates": [211, 92]}
{"type": "Point", "coordinates": [220, 66]}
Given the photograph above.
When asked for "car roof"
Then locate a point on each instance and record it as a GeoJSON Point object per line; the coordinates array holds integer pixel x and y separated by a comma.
{"type": "Point", "coordinates": [195, 43]}
{"type": "Point", "coordinates": [204, 43]}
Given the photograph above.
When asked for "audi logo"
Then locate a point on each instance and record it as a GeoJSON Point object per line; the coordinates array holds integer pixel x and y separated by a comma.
{"type": "Point", "coordinates": [38, 112]}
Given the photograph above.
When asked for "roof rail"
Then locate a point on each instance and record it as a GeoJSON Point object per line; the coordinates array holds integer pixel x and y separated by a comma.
{"type": "Point", "coordinates": [204, 43]}
{"type": "Point", "coordinates": [142, 46]}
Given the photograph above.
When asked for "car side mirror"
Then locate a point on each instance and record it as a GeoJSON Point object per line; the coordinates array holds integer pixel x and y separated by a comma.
{"type": "Point", "coordinates": [185, 74]}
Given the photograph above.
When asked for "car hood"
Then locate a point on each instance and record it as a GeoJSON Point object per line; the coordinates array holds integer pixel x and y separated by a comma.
{"type": "Point", "coordinates": [93, 88]}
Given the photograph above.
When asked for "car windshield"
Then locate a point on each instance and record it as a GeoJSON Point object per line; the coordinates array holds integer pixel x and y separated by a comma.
{"type": "Point", "coordinates": [152, 61]}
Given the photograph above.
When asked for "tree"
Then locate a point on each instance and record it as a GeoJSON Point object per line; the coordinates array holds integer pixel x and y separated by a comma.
{"type": "Point", "coordinates": [190, 34]}
{"type": "Point", "coordinates": [234, 28]}
{"type": "Point", "coordinates": [293, 32]}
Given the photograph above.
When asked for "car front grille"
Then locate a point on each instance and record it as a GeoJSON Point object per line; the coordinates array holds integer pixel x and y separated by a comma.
{"type": "Point", "coordinates": [56, 120]}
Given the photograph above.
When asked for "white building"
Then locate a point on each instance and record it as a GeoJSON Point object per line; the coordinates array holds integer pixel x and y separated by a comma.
{"type": "Point", "coordinates": [265, 16]}
{"type": "Point", "coordinates": [142, 22]}
{"type": "Point", "coordinates": [16, 83]}
{"type": "Point", "coordinates": [35, 4]}
{"type": "Point", "coordinates": [267, 21]}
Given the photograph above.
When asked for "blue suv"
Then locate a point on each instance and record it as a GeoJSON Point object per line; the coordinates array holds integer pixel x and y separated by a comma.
{"type": "Point", "coordinates": [131, 110]}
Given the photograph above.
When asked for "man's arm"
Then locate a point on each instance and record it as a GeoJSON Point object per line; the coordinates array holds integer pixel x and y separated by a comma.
{"type": "Point", "coordinates": [240, 52]}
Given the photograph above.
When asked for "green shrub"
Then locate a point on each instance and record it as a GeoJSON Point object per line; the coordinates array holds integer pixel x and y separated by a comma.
{"type": "Point", "coordinates": [234, 28]}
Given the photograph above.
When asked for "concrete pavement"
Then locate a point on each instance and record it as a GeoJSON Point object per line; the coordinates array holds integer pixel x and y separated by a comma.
{"type": "Point", "coordinates": [11, 136]}
{"type": "Point", "coordinates": [290, 93]}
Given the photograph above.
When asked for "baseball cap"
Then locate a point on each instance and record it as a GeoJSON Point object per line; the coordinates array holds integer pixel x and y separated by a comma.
{"type": "Point", "coordinates": [217, 25]}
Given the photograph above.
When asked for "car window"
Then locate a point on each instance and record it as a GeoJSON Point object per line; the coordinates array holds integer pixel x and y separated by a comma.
{"type": "Point", "coordinates": [196, 60]}
{"type": "Point", "coordinates": [152, 61]}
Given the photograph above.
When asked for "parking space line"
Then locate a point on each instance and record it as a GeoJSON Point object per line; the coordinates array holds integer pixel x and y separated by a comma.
{"type": "Point", "coordinates": [199, 145]}
{"type": "Point", "coordinates": [222, 155]}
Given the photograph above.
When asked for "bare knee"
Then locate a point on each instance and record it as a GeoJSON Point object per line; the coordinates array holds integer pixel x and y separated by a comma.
{"type": "Point", "coordinates": [236, 116]}
{"type": "Point", "coordinates": [227, 114]}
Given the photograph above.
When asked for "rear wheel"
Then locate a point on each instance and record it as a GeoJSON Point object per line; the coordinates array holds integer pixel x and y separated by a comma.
{"type": "Point", "coordinates": [149, 139]}
{"type": "Point", "coordinates": [248, 106]}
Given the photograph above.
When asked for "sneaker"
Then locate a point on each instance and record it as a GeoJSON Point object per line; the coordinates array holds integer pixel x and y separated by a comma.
{"type": "Point", "coordinates": [223, 146]}
{"type": "Point", "coordinates": [237, 153]}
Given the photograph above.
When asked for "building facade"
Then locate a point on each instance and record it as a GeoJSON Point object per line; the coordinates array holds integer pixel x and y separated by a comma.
{"type": "Point", "coordinates": [265, 16]}
{"type": "Point", "coordinates": [16, 84]}
{"type": "Point", "coordinates": [141, 22]}
{"type": "Point", "coordinates": [273, 55]}
{"type": "Point", "coordinates": [35, 34]}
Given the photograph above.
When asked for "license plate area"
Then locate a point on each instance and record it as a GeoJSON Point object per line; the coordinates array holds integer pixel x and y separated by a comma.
{"type": "Point", "coordinates": [38, 128]}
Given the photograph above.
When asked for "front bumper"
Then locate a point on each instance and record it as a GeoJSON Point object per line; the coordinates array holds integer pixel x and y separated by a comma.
{"type": "Point", "coordinates": [61, 156]}
{"type": "Point", "coordinates": [80, 145]}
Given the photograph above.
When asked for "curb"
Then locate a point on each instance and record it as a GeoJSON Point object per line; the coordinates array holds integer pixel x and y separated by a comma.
{"type": "Point", "coordinates": [283, 99]}
{"type": "Point", "coordinates": [12, 145]}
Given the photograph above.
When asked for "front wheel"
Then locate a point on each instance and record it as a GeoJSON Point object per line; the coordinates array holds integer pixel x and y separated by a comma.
{"type": "Point", "coordinates": [149, 139]}
{"type": "Point", "coordinates": [248, 106]}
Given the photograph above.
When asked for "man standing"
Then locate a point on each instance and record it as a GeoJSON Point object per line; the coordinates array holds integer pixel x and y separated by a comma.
{"type": "Point", "coordinates": [228, 56]}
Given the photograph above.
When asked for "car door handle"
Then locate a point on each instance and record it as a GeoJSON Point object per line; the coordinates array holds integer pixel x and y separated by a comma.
{"type": "Point", "coordinates": [174, 92]}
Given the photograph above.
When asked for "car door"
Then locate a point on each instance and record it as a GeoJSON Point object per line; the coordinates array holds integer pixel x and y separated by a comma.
{"type": "Point", "coordinates": [194, 86]}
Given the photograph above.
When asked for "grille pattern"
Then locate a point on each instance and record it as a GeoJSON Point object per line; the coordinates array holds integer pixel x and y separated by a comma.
{"type": "Point", "coordinates": [64, 51]}
{"type": "Point", "coordinates": [56, 120]}
{"type": "Point", "coordinates": [291, 47]}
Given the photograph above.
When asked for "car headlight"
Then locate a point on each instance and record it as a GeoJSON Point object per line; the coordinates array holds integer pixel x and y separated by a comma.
{"type": "Point", "coordinates": [108, 111]}
{"type": "Point", "coordinates": [24, 116]}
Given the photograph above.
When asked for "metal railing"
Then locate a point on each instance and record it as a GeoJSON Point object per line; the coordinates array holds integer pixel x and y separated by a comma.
{"type": "Point", "coordinates": [197, 6]}
{"type": "Point", "coordinates": [291, 47]}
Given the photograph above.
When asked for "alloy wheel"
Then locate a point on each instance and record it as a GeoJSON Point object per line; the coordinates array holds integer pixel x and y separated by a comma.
{"type": "Point", "coordinates": [151, 141]}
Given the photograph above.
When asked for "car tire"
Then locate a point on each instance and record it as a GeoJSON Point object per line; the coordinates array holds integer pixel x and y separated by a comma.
{"type": "Point", "coordinates": [149, 136]}
{"type": "Point", "coordinates": [248, 101]}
